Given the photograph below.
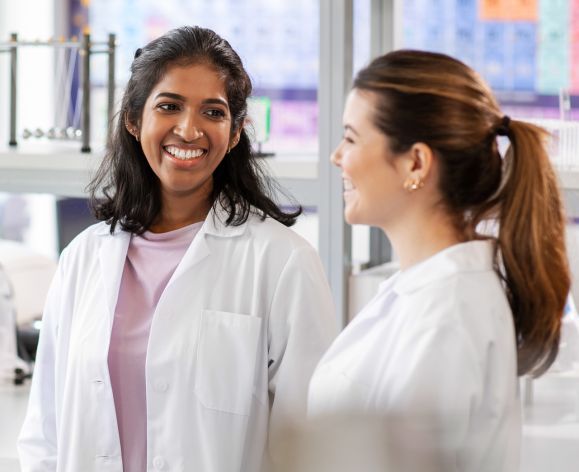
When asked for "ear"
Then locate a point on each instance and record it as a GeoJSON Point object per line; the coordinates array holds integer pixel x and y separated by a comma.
{"type": "Point", "coordinates": [234, 139]}
{"type": "Point", "coordinates": [419, 161]}
{"type": "Point", "coordinates": [131, 128]}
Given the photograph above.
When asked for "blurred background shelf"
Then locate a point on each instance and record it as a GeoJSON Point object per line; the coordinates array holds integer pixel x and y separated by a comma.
{"type": "Point", "coordinates": [61, 169]}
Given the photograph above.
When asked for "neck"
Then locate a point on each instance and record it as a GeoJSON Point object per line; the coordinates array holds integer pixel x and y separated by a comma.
{"type": "Point", "coordinates": [421, 237]}
{"type": "Point", "coordinates": [177, 213]}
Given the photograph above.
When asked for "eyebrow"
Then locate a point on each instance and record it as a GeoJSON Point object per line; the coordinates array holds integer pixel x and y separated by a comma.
{"type": "Point", "coordinates": [348, 127]}
{"type": "Point", "coordinates": [181, 98]}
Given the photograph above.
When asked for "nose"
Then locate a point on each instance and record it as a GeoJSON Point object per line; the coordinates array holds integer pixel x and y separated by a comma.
{"type": "Point", "coordinates": [187, 129]}
{"type": "Point", "coordinates": [336, 157]}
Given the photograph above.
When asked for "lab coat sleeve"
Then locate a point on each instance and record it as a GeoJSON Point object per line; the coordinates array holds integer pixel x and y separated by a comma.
{"type": "Point", "coordinates": [37, 443]}
{"type": "Point", "coordinates": [302, 325]}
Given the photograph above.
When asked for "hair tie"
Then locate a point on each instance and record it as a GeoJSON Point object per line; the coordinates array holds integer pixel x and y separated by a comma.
{"type": "Point", "coordinates": [138, 52]}
{"type": "Point", "coordinates": [504, 129]}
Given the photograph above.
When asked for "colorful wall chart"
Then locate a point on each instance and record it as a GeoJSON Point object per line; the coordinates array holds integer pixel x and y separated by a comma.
{"type": "Point", "coordinates": [518, 45]}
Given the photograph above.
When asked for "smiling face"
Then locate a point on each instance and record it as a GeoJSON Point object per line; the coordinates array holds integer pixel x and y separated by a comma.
{"type": "Point", "coordinates": [373, 176]}
{"type": "Point", "coordinates": [185, 132]}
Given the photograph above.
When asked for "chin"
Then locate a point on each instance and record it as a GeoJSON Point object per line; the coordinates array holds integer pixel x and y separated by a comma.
{"type": "Point", "coordinates": [351, 218]}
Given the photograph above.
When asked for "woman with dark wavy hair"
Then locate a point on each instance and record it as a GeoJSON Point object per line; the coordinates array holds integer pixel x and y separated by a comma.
{"type": "Point", "coordinates": [183, 329]}
{"type": "Point", "coordinates": [439, 348]}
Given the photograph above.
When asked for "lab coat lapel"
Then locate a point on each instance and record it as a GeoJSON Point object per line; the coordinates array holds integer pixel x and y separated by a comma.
{"type": "Point", "coordinates": [197, 251]}
{"type": "Point", "coordinates": [112, 256]}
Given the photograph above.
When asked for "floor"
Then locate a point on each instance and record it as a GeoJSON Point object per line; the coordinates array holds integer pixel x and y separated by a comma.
{"type": "Point", "coordinates": [550, 433]}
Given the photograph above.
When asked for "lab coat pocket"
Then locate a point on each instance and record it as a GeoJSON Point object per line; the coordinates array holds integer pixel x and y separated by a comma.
{"type": "Point", "coordinates": [226, 358]}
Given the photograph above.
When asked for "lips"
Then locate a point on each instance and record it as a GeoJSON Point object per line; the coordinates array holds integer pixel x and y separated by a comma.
{"type": "Point", "coordinates": [184, 154]}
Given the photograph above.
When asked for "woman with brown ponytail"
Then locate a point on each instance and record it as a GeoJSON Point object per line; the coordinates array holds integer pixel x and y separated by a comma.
{"type": "Point", "coordinates": [439, 348]}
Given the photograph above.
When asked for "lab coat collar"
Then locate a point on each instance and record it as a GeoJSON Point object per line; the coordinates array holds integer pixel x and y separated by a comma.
{"type": "Point", "coordinates": [215, 223]}
{"type": "Point", "coordinates": [472, 256]}
{"type": "Point", "coordinates": [113, 250]}
{"type": "Point", "coordinates": [199, 249]}
{"type": "Point", "coordinates": [112, 255]}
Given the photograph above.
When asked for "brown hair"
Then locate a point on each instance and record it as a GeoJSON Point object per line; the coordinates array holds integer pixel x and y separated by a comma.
{"type": "Point", "coordinates": [437, 100]}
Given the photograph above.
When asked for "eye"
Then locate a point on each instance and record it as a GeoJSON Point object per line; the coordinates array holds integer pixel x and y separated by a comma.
{"type": "Point", "coordinates": [348, 139]}
{"type": "Point", "coordinates": [215, 113]}
{"type": "Point", "coordinates": [168, 106]}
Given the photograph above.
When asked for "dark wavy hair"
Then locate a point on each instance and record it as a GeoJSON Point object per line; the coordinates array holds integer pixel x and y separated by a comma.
{"type": "Point", "coordinates": [126, 191]}
{"type": "Point", "coordinates": [434, 99]}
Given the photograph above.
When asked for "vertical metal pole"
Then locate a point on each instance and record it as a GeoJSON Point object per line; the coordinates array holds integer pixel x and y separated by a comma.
{"type": "Point", "coordinates": [111, 81]}
{"type": "Point", "coordinates": [336, 50]}
{"type": "Point", "coordinates": [85, 80]}
{"type": "Point", "coordinates": [382, 21]}
{"type": "Point", "coordinates": [13, 90]}
{"type": "Point", "coordinates": [381, 41]}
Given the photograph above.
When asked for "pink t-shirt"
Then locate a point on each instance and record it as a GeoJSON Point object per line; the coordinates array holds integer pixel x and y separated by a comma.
{"type": "Point", "coordinates": [151, 260]}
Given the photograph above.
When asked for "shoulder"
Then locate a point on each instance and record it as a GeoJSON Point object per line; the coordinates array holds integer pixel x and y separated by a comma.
{"type": "Point", "coordinates": [90, 239]}
{"type": "Point", "coordinates": [275, 236]}
{"type": "Point", "coordinates": [462, 294]}
{"type": "Point", "coordinates": [457, 283]}
{"type": "Point", "coordinates": [465, 313]}
{"type": "Point", "coordinates": [282, 250]}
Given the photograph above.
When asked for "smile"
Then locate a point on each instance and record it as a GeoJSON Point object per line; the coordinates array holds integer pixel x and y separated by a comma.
{"type": "Point", "coordinates": [184, 154]}
{"type": "Point", "coordinates": [348, 185]}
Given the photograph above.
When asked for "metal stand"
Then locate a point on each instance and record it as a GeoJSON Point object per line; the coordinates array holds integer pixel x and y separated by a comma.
{"type": "Point", "coordinates": [85, 80]}
{"type": "Point", "coordinates": [86, 50]}
{"type": "Point", "coordinates": [13, 75]}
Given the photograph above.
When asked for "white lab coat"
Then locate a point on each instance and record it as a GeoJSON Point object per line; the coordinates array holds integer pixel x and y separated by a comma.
{"type": "Point", "coordinates": [243, 297]}
{"type": "Point", "coordinates": [434, 354]}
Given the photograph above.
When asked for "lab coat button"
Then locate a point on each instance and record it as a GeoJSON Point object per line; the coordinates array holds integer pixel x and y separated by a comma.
{"type": "Point", "coordinates": [159, 463]}
{"type": "Point", "coordinates": [161, 386]}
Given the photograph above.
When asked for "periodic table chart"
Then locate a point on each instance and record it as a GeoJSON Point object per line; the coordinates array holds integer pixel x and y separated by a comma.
{"type": "Point", "coordinates": [517, 45]}
{"type": "Point", "coordinates": [527, 50]}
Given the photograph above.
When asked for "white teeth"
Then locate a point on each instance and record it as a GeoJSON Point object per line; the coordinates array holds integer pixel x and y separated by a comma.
{"type": "Point", "coordinates": [184, 154]}
{"type": "Point", "coordinates": [348, 185]}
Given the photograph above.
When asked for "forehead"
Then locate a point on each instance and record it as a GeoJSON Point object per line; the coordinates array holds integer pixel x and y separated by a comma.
{"type": "Point", "coordinates": [359, 108]}
{"type": "Point", "coordinates": [192, 81]}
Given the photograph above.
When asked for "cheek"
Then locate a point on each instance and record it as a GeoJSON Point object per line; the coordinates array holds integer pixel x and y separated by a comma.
{"type": "Point", "coordinates": [349, 164]}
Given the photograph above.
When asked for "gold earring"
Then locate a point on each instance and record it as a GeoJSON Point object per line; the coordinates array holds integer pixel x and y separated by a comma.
{"type": "Point", "coordinates": [413, 184]}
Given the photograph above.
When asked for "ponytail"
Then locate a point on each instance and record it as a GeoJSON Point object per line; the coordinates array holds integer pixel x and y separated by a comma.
{"type": "Point", "coordinates": [532, 247]}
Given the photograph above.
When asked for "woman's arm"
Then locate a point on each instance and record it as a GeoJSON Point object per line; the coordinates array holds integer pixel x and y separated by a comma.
{"type": "Point", "coordinates": [302, 325]}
